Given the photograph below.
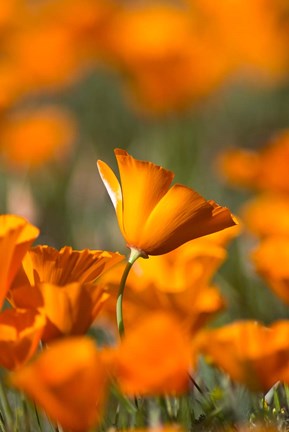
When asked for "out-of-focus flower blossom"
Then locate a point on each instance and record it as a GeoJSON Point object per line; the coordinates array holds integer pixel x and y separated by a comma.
{"type": "Point", "coordinates": [177, 282]}
{"type": "Point", "coordinates": [86, 20]}
{"type": "Point", "coordinates": [250, 353]}
{"type": "Point", "coordinates": [52, 46]}
{"type": "Point", "coordinates": [33, 138]}
{"type": "Point", "coordinates": [20, 334]}
{"type": "Point", "coordinates": [69, 381]}
{"type": "Point", "coordinates": [64, 286]}
{"type": "Point", "coordinates": [267, 214]}
{"type": "Point", "coordinates": [166, 56]}
{"type": "Point", "coordinates": [153, 358]}
{"type": "Point", "coordinates": [54, 43]}
{"type": "Point", "coordinates": [265, 170]}
{"type": "Point", "coordinates": [16, 236]}
{"type": "Point", "coordinates": [153, 217]}
{"type": "Point", "coordinates": [271, 259]}
{"type": "Point", "coordinates": [240, 167]}
{"type": "Point", "coordinates": [10, 83]}
{"type": "Point", "coordinates": [252, 34]}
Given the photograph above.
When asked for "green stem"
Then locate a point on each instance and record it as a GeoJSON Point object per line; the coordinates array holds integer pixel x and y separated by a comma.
{"type": "Point", "coordinates": [6, 407]}
{"type": "Point", "coordinates": [134, 255]}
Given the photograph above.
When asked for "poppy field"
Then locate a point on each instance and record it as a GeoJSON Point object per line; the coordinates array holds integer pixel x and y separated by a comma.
{"type": "Point", "coordinates": [144, 215]}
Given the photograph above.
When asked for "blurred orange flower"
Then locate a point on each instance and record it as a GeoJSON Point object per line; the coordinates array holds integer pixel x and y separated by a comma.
{"type": "Point", "coordinates": [64, 286]}
{"type": "Point", "coordinates": [267, 214]}
{"type": "Point", "coordinates": [248, 33]}
{"type": "Point", "coordinates": [265, 170]}
{"type": "Point", "coordinates": [153, 217]}
{"type": "Point", "coordinates": [153, 358]}
{"type": "Point", "coordinates": [60, 267]}
{"type": "Point", "coordinates": [68, 381]}
{"type": "Point", "coordinates": [167, 59]}
{"type": "Point", "coordinates": [176, 282]}
{"type": "Point", "coordinates": [250, 353]}
{"type": "Point", "coordinates": [65, 37]}
{"type": "Point", "coordinates": [51, 44]}
{"type": "Point", "coordinates": [20, 334]}
{"type": "Point", "coordinates": [10, 83]}
{"type": "Point", "coordinates": [16, 236]}
{"type": "Point", "coordinates": [271, 259]}
{"type": "Point", "coordinates": [33, 138]}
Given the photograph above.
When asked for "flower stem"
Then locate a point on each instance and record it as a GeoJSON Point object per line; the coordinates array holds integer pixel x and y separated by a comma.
{"type": "Point", "coordinates": [134, 255]}
{"type": "Point", "coordinates": [6, 407]}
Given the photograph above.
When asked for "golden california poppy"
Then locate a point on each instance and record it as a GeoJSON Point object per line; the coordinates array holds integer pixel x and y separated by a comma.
{"type": "Point", "coordinates": [249, 352]}
{"type": "Point", "coordinates": [267, 214]}
{"type": "Point", "coordinates": [20, 334]}
{"type": "Point", "coordinates": [167, 59]}
{"type": "Point", "coordinates": [266, 169]}
{"type": "Point", "coordinates": [271, 260]}
{"type": "Point", "coordinates": [68, 381]}
{"type": "Point", "coordinates": [63, 286]}
{"type": "Point", "coordinates": [154, 357]}
{"type": "Point", "coordinates": [60, 267]}
{"type": "Point", "coordinates": [154, 218]}
{"type": "Point", "coordinates": [16, 236]}
{"type": "Point", "coordinates": [178, 282]}
{"type": "Point", "coordinates": [35, 137]}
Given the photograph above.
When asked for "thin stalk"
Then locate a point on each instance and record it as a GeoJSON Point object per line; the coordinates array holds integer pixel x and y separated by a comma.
{"type": "Point", "coordinates": [6, 407]}
{"type": "Point", "coordinates": [134, 255]}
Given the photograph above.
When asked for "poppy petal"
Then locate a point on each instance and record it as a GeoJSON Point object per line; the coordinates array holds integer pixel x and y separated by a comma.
{"type": "Point", "coordinates": [143, 185]}
{"type": "Point", "coordinates": [113, 188]}
{"type": "Point", "coordinates": [182, 215]}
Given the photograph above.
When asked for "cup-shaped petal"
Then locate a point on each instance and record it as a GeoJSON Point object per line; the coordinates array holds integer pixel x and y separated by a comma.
{"type": "Point", "coordinates": [16, 236]}
{"type": "Point", "coordinates": [20, 334]}
{"type": "Point", "coordinates": [60, 267]}
{"type": "Point", "coordinates": [153, 217]}
{"type": "Point", "coordinates": [69, 309]}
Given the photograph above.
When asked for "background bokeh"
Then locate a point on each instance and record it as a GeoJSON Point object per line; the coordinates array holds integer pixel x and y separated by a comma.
{"type": "Point", "coordinates": [173, 82]}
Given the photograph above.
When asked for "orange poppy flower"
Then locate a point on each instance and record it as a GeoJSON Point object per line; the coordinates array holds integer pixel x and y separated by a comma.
{"type": "Point", "coordinates": [68, 381]}
{"type": "Point", "coordinates": [32, 138]}
{"type": "Point", "coordinates": [250, 353]}
{"type": "Point", "coordinates": [239, 167]}
{"type": "Point", "coordinates": [176, 282]}
{"type": "Point", "coordinates": [60, 267]}
{"type": "Point", "coordinates": [153, 358]}
{"type": "Point", "coordinates": [16, 236]}
{"type": "Point", "coordinates": [168, 61]}
{"type": "Point", "coordinates": [153, 217]}
{"type": "Point", "coordinates": [20, 334]}
{"type": "Point", "coordinates": [266, 169]}
{"type": "Point", "coordinates": [271, 260]}
{"type": "Point", "coordinates": [11, 83]}
{"type": "Point", "coordinates": [248, 33]}
{"type": "Point", "coordinates": [267, 215]}
{"type": "Point", "coordinates": [63, 286]}
{"type": "Point", "coordinates": [56, 66]}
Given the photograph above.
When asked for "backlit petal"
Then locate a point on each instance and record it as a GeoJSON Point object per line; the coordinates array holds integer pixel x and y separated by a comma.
{"type": "Point", "coordinates": [113, 188]}
{"type": "Point", "coordinates": [180, 216]}
{"type": "Point", "coordinates": [16, 236]}
{"type": "Point", "coordinates": [143, 185]}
